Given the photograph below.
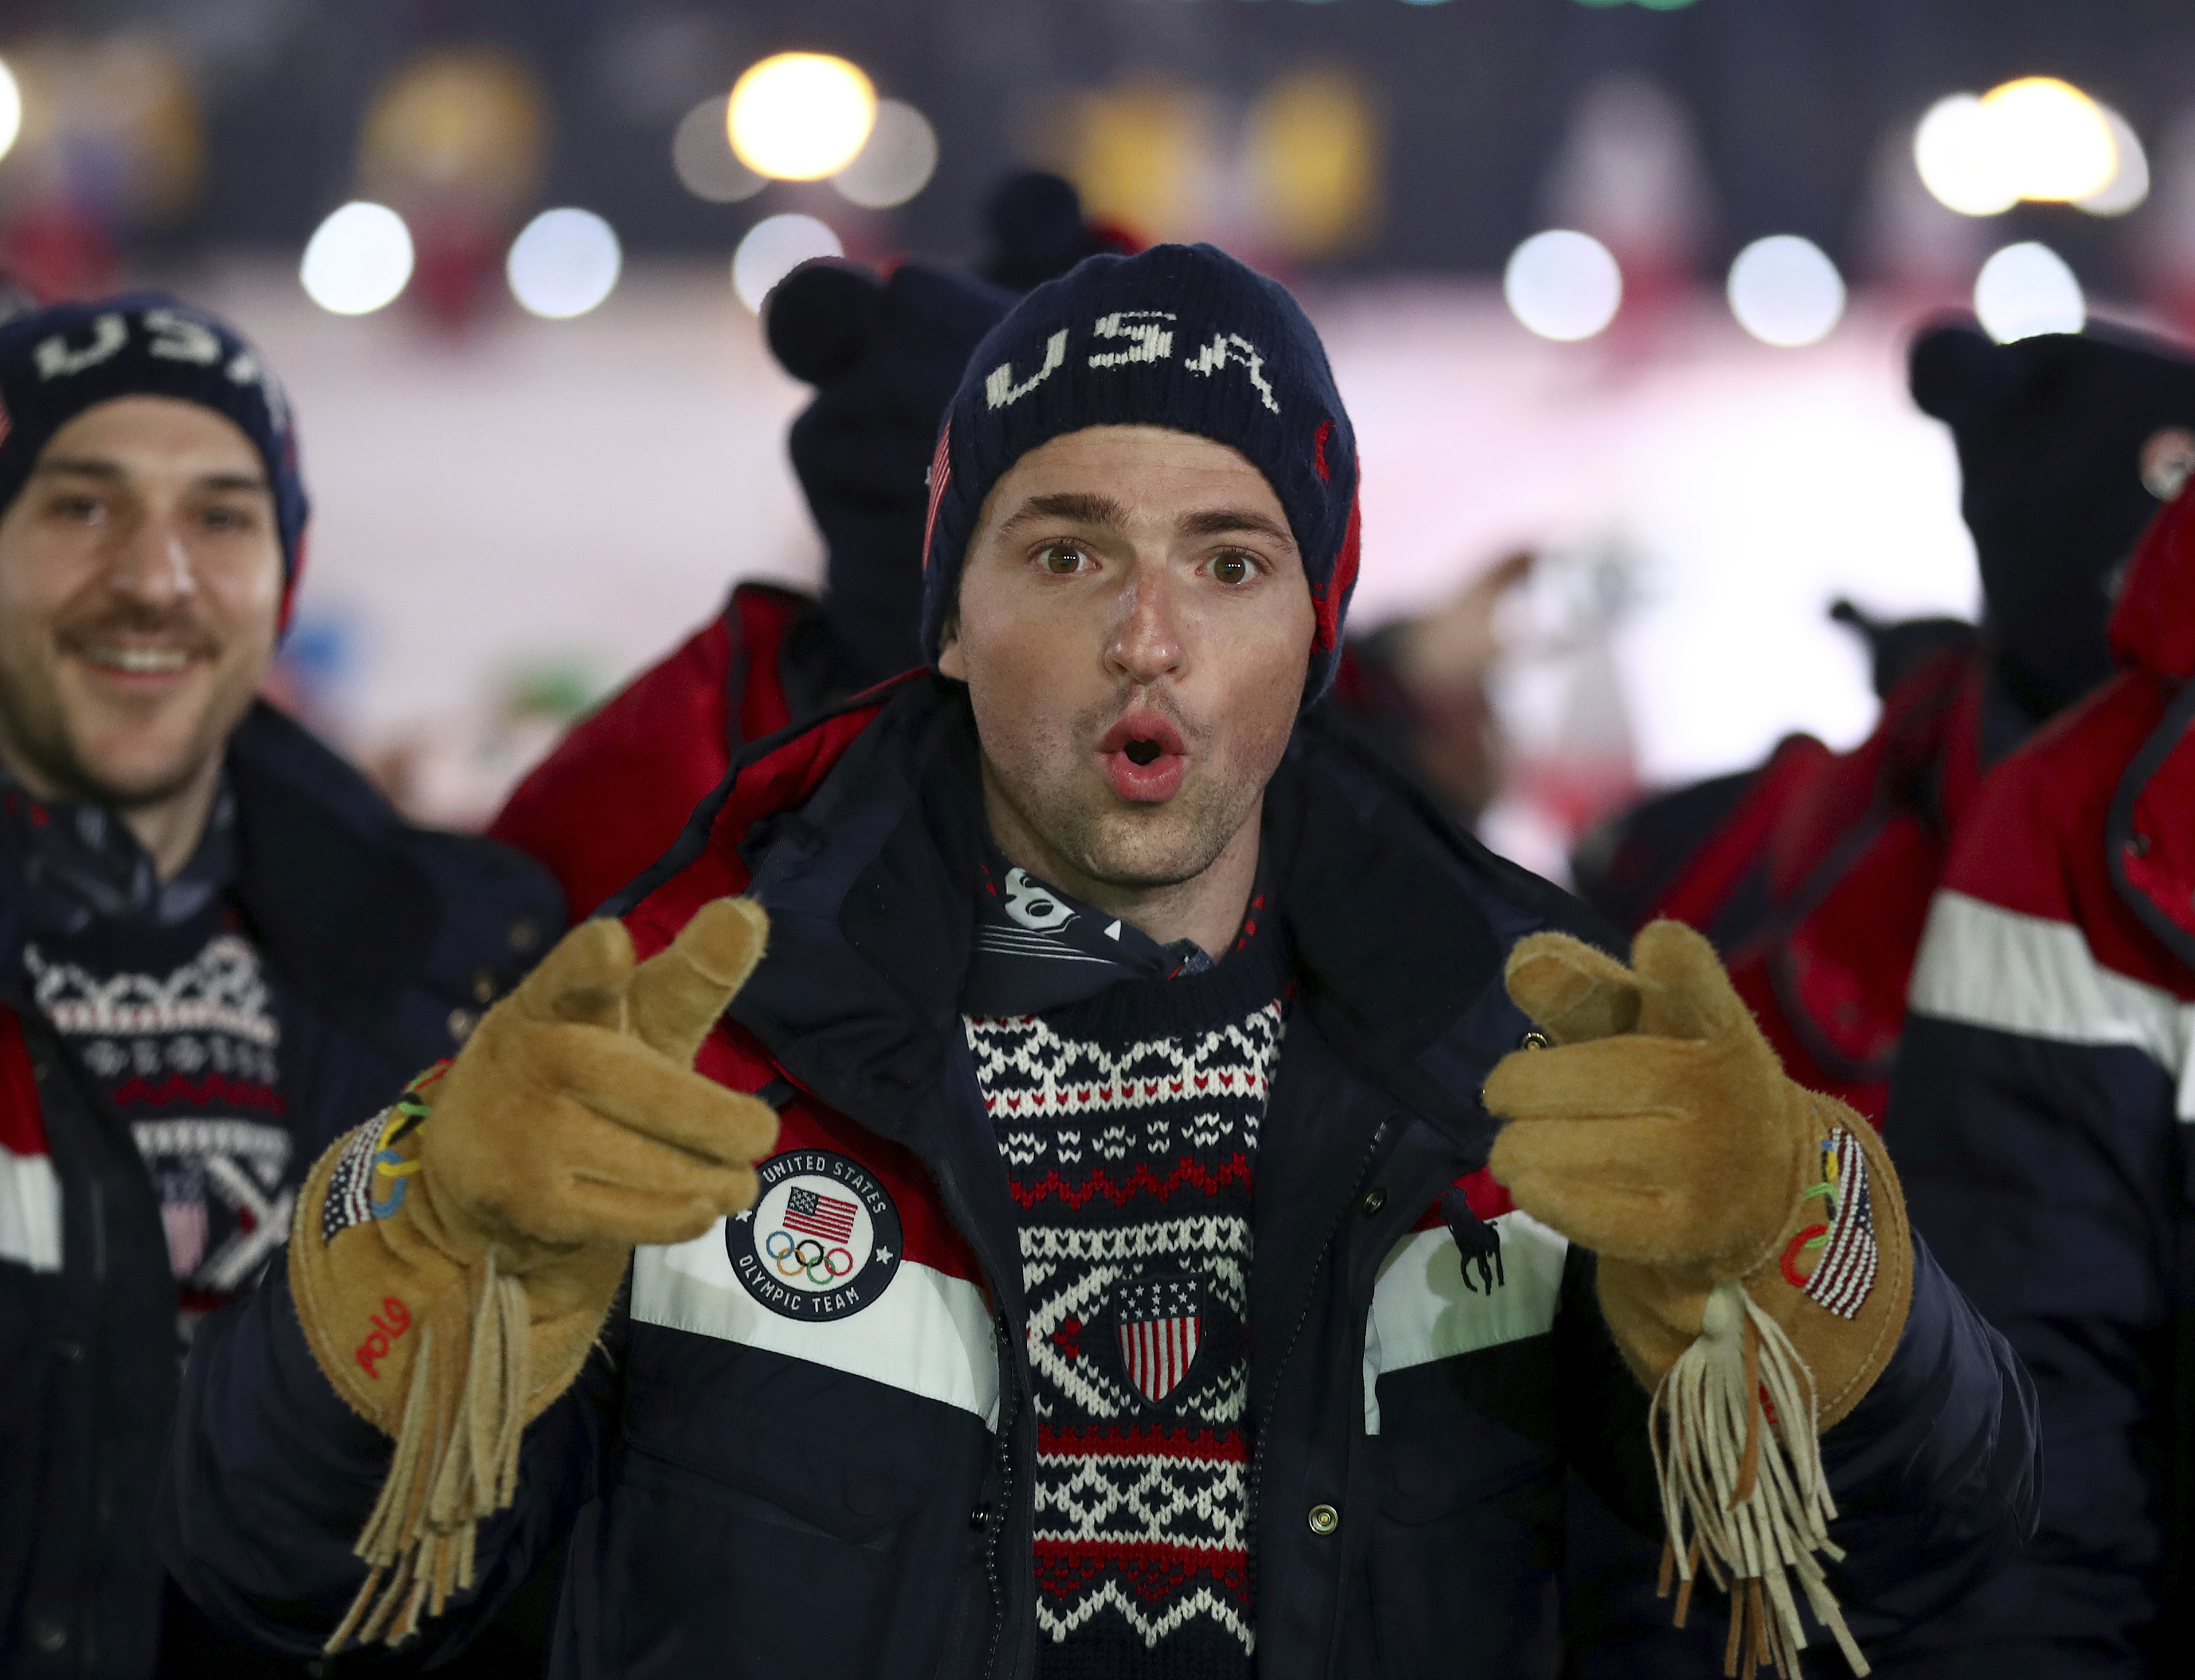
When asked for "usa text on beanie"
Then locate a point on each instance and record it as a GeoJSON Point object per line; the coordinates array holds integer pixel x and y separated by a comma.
{"type": "Point", "coordinates": [1181, 336]}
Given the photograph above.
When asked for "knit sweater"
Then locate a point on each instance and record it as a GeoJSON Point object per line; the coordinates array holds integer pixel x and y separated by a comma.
{"type": "Point", "coordinates": [1129, 1124]}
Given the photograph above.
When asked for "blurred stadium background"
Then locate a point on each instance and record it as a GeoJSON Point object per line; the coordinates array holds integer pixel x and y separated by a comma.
{"type": "Point", "coordinates": [1625, 281]}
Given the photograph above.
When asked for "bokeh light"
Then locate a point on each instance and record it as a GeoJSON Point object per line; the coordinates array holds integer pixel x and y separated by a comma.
{"type": "Point", "coordinates": [701, 153]}
{"type": "Point", "coordinates": [11, 109]}
{"type": "Point", "coordinates": [800, 116]}
{"type": "Point", "coordinates": [896, 163]}
{"type": "Point", "coordinates": [1785, 291]}
{"type": "Point", "coordinates": [358, 260]}
{"type": "Point", "coordinates": [773, 248]}
{"type": "Point", "coordinates": [563, 263]}
{"type": "Point", "coordinates": [2037, 138]}
{"type": "Point", "coordinates": [1959, 164]}
{"type": "Point", "coordinates": [2027, 289]}
{"type": "Point", "coordinates": [1562, 285]}
{"type": "Point", "coordinates": [2057, 142]}
{"type": "Point", "coordinates": [2129, 183]}
{"type": "Point", "coordinates": [1312, 149]}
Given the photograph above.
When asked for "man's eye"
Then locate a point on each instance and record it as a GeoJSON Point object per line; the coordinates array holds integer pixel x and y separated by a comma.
{"type": "Point", "coordinates": [1234, 569]}
{"type": "Point", "coordinates": [227, 519]}
{"type": "Point", "coordinates": [1062, 559]}
{"type": "Point", "coordinates": [76, 507]}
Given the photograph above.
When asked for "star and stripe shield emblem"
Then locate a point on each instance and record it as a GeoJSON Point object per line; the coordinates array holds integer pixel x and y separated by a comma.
{"type": "Point", "coordinates": [1159, 1323]}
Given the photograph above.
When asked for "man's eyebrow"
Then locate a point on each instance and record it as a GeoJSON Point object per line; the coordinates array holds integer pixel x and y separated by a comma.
{"type": "Point", "coordinates": [1220, 522]}
{"type": "Point", "coordinates": [234, 482]}
{"type": "Point", "coordinates": [80, 466]}
{"type": "Point", "coordinates": [1076, 507]}
{"type": "Point", "coordinates": [113, 472]}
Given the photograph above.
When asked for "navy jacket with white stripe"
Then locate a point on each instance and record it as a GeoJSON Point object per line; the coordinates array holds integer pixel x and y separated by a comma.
{"type": "Point", "coordinates": [388, 939]}
{"type": "Point", "coordinates": [748, 1491]}
{"type": "Point", "coordinates": [2039, 1117]}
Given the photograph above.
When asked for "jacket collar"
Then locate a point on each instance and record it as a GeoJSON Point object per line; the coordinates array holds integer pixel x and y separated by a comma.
{"type": "Point", "coordinates": [864, 851]}
{"type": "Point", "coordinates": [344, 916]}
{"type": "Point", "coordinates": [2153, 626]}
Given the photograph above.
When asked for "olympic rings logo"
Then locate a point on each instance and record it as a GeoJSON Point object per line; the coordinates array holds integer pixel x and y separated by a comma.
{"type": "Point", "coordinates": [807, 1257]}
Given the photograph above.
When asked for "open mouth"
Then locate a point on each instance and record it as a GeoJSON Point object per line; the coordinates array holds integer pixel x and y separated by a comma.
{"type": "Point", "coordinates": [1143, 758]}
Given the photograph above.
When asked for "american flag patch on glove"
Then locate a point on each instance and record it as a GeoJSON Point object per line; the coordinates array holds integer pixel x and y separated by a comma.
{"type": "Point", "coordinates": [350, 1184]}
{"type": "Point", "coordinates": [1847, 1256]}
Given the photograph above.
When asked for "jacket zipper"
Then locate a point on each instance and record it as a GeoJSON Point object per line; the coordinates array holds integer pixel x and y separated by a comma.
{"type": "Point", "coordinates": [1008, 1419]}
{"type": "Point", "coordinates": [1288, 1351]}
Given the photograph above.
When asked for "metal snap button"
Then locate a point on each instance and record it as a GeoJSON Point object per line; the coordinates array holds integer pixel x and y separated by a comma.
{"type": "Point", "coordinates": [980, 1518]}
{"type": "Point", "coordinates": [1324, 1519]}
{"type": "Point", "coordinates": [1535, 1040]}
{"type": "Point", "coordinates": [1372, 1201]}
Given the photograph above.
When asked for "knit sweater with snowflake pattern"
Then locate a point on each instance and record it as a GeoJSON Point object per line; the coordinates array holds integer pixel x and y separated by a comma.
{"type": "Point", "coordinates": [1129, 1123]}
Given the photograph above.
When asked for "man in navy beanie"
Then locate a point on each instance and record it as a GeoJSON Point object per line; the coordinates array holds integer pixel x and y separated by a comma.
{"type": "Point", "coordinates": [216, 942]}
{"type": "Point", "coordinates": [1085, 1241]}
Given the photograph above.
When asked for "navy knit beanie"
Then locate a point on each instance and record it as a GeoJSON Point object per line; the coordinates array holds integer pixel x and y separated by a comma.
{"type": "Point", "coordinates": [55, 363]}
{"type": "Point", "coordinates": [1181, 336]}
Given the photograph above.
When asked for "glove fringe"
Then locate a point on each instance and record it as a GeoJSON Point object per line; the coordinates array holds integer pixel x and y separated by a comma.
{"type": "Point", "coordinates": [456, 1460]}
{"type": "Point", "coordinates": [1739, 1463]}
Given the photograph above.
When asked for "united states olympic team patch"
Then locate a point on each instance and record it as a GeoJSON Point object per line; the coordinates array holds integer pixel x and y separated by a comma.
{"type": "Point", "coordinates": [822, 1239]}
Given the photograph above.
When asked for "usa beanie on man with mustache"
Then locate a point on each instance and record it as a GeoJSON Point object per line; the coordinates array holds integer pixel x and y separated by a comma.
{"type": "Point", "coordinates": [55, 363]}
{"type": "Point", "coordinates": [1181, 336]}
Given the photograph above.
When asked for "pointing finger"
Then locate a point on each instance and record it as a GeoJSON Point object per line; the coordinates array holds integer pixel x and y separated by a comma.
{"type": "Point", "coordinates": [1572, 989]}
{"type": "Point", "coordinates": [676, 995]}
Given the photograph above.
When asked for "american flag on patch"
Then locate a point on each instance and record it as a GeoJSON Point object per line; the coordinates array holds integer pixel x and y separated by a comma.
{"type": "Point", "coordinates": [812, 1214]}
{"type": "Point", "coordinates": [1845, 1272]}
{"type": "Point", "coordinates": [1160, 1325]}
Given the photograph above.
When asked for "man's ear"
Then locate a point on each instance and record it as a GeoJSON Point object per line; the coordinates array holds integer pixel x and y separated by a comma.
{"type": "Point", "coordinates": [950, 660]}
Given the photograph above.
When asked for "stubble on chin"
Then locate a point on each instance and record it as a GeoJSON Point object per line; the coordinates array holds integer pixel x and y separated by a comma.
{"type": "Point", "coordinates": [1128, 847]}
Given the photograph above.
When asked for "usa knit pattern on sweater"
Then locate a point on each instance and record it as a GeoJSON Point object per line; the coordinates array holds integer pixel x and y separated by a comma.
{"type": "Point", "coordinates": [1129, 1124]}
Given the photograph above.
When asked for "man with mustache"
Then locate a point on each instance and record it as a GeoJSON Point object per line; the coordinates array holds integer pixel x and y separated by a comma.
{"type": "Point", "coordinates": [1086, 1244]}
{"type": "Point", "coordinates": [218, 946]}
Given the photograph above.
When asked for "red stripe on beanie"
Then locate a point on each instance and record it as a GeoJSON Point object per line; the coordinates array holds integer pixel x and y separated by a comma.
{"type": "Point", "coordinates": [1330, 600]}
{"type": "Point", "coordinates": [940, 474]}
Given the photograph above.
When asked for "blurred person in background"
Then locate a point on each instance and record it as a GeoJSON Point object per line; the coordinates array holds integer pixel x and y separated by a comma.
{"type": "Point", "coordinates": [1416, 689]}
{"type": "Point", "coordinates": [884, 354]}
{"type": "Point", "coordinates": [2039, 1112]}
{"type": "Point", "coordinates": [944, 1333]}
{"type": "Point", "coordinates": [1812, 873]}
{"type": "Point", "coordinates": [217, 943]}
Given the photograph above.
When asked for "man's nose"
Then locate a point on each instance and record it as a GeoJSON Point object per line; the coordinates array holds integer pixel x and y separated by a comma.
{"type": "Point", "coordinates": [1146, 642]}
{"type": "Point", "coordinates": [151, 562]}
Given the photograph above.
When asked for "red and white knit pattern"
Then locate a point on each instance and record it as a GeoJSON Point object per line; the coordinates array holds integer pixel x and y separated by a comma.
{"type": "Point", "coordinates": [188, 1059]}
{"type": "Point", "coordinates": [1132, 1163]}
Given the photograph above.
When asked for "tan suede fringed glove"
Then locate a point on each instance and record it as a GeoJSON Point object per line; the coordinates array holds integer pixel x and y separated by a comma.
{"type": "Point", "coordinates": [1755, 1266]}
{"type": "Point", "coordinates": [454, 1259]}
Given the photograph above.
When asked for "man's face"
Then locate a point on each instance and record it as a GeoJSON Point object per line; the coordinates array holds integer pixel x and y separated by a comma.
{"type": "Point", "coordinates": [141, 585]}
{"type": "Point", "coordinates": [1134, 628]}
